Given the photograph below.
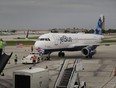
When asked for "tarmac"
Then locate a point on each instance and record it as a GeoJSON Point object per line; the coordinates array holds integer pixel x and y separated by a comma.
{"type": "Point", "coordinates": [97, 72]}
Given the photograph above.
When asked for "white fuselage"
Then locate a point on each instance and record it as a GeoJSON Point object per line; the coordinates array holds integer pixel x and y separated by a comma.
{"type": "Point", "coordinates": [66, 41]}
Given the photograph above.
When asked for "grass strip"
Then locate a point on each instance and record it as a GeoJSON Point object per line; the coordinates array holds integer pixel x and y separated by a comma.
{"type": "Point", "coordinates": [13, 43]}
{"type": "Point", "coordinates": [109, 41]}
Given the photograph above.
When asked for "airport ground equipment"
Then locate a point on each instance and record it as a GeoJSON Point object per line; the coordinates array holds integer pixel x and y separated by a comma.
{"type": "Point", "coordinates": [68, 76]}
{"type": "Point", "coordinates": [3, 60]}
{"type": "Point", "coordinates": [29, 58]}
{"type": "Point", "coordinates": [31, 78]}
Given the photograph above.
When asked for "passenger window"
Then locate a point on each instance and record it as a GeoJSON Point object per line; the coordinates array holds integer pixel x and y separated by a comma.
{"type": "Point", "coordinates": [48, 39]}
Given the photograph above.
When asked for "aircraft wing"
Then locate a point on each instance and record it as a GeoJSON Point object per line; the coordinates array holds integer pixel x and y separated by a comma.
{"type": "Point", "coordinates": [109, 41]}
{"type": "Point", "coordinates": [108, 44]}
{"type": "Point", "coordinates": [84, 45]}
{"type": "Point", "coordinates": [109, 37]}
{"type": "Point", "coordinates": [81, 45]}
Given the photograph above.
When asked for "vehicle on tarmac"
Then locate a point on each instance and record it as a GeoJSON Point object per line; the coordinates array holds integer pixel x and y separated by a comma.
{"type": "Point", "coordinates": [29, 59]}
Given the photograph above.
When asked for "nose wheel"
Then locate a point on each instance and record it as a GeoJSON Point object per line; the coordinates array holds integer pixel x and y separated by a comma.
{"type": "Point", "coordinates": [48, 57]}
{"type": "Point", "coordinates": [61, 54]}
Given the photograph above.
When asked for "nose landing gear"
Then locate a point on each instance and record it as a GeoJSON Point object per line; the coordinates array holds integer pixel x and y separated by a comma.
{"type": "Point", "coordinates": [48, 57]}
{"type": "Point", "coordinates": [61, 54]}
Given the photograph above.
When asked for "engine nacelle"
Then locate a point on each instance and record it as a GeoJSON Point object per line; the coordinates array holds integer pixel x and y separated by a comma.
{"type": "Point", "coordinates": [88, 51]}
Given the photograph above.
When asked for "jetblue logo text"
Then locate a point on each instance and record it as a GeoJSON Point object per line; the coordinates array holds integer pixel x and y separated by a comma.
{"type": "Point", "coordinates": [65, 39]}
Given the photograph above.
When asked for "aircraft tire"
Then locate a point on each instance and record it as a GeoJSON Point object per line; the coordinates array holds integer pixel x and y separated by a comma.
{"type": "Point", "coordinates": [63, 54]}
{"type": "Point", "coordinates": [86, 56]}
{"type": "Point", "coordinates": [89, 56]}
{"type": "Point", "coordinates": [59, 54]}
{"type": "Point", "coordinates": [48, 57]}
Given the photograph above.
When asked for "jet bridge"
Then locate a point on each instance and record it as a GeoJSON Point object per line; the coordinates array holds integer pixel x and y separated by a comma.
{"type": "Point", "coordinates": [68, 76]}
{"type": "Point", "coordinates": [3, 60]}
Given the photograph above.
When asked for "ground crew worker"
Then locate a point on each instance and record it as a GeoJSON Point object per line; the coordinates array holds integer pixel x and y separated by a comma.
{"type": "Point", "coordinates": [1, 46]}
{"type": "Point", "coordinates": [34, 60]}
{"type": "Point", "coordinates": [38, 59]}
{"type": "Point", "coordinates": [15, 60]}
{"type": "Point", "coordinates": [31, 48]}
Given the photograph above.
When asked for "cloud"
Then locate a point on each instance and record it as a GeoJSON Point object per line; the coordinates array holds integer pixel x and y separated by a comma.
{"type": "Point", "coordinates": [55, 13]}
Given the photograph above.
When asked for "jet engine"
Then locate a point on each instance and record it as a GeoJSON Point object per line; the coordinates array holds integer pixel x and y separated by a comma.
{"type": "Point", "coordinates": [88, 51]}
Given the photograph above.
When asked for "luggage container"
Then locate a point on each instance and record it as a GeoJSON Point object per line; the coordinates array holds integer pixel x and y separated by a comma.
{"type": "Point", "coordinates": [31, 78]}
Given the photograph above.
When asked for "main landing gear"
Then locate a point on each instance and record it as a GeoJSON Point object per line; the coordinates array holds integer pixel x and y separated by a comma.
{"type": "Point", "coordinates": [89, 56]}
{"type": "Point", "coordinates": [61, 54]}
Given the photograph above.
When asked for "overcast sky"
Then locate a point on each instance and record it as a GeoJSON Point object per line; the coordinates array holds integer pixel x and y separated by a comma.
{"type": "Point", "coordinates": [47, 14]}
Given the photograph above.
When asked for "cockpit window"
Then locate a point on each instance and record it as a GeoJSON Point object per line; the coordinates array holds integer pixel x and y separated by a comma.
{"type": "Point", "coordinates": [41, 39]}
{"type": "Point", "coordinates": [48, 39]}
{"type": "Point", "coordinates": [44, 39]}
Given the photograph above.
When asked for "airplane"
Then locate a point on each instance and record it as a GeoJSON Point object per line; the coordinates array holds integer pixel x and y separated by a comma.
{"type": "Point", "coordinates": [86, 43]}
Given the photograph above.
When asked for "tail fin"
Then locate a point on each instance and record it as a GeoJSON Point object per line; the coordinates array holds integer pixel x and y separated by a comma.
{"type": "Point", "coordinates": [98, 29]}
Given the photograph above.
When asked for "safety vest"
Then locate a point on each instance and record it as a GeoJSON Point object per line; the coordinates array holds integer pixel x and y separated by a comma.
{"type": "Point", "coordinates": [1, 44]}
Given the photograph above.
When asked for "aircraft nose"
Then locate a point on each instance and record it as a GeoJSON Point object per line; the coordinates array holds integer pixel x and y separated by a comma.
{"type": "Point", "coordinates": [36, 45]}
